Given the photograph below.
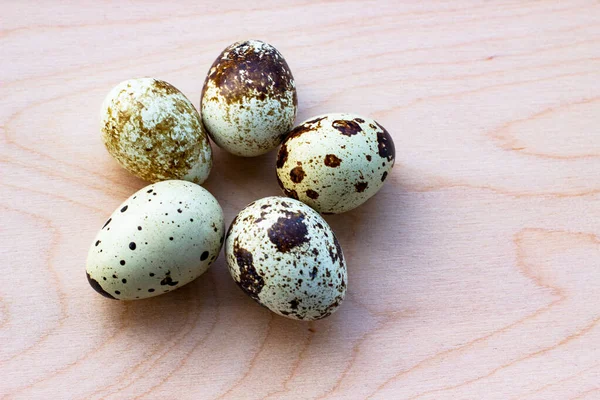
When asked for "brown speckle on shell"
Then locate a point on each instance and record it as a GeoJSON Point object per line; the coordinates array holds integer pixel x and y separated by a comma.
{"type": "Point", "coordinates": [346, 127]}
{"type": "Point", "coordinates": [288, 232]}
{"type": "Point", "coordinates": [297, 174]}
{"type": "Point", "coordinates": [331, 160]}
{"type": "Point", "coordinates": [312, 194]}
{"type": "Point", "coordinates": [385, 144]}
{"type": "Point", "coordinates": [245, 70]}
{"type": "Point", "coordinates": [249, 280]}
{"type": "Point", "coordinates": [282, 156]}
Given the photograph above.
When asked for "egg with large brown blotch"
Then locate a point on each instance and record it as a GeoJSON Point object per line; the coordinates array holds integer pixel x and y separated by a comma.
{"type": "Point", "coordinates": [154, 132]}
{"type": "Point", "coordinates": [249, 99]}
{"type": "Point", "coordinates": [161, 238]}
{"type": "Point", "coordinates": [335, 162]}
{"type": "Point", "coordinates": [283, 254]}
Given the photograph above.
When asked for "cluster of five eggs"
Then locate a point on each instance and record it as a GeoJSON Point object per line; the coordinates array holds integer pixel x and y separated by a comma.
{"type": "Point", "coordinates": [279, 250]}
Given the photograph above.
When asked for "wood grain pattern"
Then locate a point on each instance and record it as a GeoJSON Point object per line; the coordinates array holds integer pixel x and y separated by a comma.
{"type": "Point", "coordinates": [474, 273]}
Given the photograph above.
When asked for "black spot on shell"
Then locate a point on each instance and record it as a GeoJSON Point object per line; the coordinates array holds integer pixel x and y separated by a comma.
{"type": "Point", "coordinates": [294, 304]}
{"type": "Point", "coordinates": [149, 191]}
{"type": "Point", "coordinates": [385, 144]}
{"type": "Point", "coordinates": [368, 157]}
{"type": "Point", "coordinates": [313, 273]}
{"type": "Point", "coordinates": [117, 292]}
{"type": "Point", "coordinates": [347, 128]}
{"type": "Point", "coordinates": [179, 210]}
{"type": "Point", "coordinates": [124, 209]}
{"type": "Point", "coordinates": [231, 226]}
{"type": "Point", "coordinates": [151, 290]}
{"type": "Point", "coordinates": [96, 286]}
{"type": "Point", "coordinates": [167, 280]}
{"type": "Point", "coordinates": [288, 232]}
{"type": "Point", "coordinates": [124, 280]}
{"type": "Point", "coordinates": [359, 120]}
{"type": "Point", "coordinates": [338, 248]}
{"type": "Point", "coordinates": [250, 280]}
{"type": "Point", "coordinates": [97, 242]}
{"type": "Point", "coordinates": [107, 222]}
{"type": "Point", "coordinates": [132, 246]}
{"type": "Point", "coordinates": [139, 228]}
{"type": "Point", "coordinates": [361, 186]}
{"type": "Point", "coordinates": [204, 256]}
{"type": "Point", "coordinates": [151, 274]}
{"type": "Point", "coordinates": [384, 176]}
{"type": "Point", "coordinates": [122, 262]}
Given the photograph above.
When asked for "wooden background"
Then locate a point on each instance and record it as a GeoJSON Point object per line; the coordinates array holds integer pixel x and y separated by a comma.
{"type": "Point", "coordinates": [474, 273]}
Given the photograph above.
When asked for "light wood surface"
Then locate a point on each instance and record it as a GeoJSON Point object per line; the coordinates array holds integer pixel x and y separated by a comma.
{"type": "Point", "coordinates": [474, 273]}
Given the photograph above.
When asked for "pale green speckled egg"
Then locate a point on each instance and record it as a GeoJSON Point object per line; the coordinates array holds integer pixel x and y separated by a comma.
{"type": "Point", "coordinates": [161, 238]}
{"type": "Point", "coordinates": [335, 162]}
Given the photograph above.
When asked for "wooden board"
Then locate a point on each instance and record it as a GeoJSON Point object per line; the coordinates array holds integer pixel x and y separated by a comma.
{"type": "Point", "coordinates": [474, 273]}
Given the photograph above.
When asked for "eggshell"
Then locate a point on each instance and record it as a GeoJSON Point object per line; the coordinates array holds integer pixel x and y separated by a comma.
{"type": "Point", "coordinates": [284, 255]}
{"type": "Point", "coordinates": [155, 132]}
{"type": "Point", "coordinates": [335, 162]}
{"type": "Point", "coordinates": [249, 99]}
{"type": "Point", "coordinates": [162, 237]}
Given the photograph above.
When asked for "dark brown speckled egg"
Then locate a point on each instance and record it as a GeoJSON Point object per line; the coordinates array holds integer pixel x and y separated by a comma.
{"type": "Point", "coordinates": [249, 99]}
{"type": "Point", "coordinates": [283, 254]}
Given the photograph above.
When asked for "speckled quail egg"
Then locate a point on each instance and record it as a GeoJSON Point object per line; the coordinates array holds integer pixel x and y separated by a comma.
{"type": "Point", "coordinates": [283, 254]}
{"type": "Point", "coordinates": [335, 162]}
{"type": "Point", "coordinates": [249, 99]}
{"type": "Point", "coordinates": [161, 238]}
{"type": "Point", "coordinates": [155, 132]}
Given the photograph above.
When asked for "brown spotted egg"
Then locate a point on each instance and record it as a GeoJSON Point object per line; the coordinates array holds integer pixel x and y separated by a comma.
{"type": "Point", "coordinates": [249, 99]}
{"type": "Point", "coordinates": [335, 162]}
{"type": "Point", "coordinates": [161, 238]}
{"type": "Point", "coordinates": [283, 254]}
{"type": "Point", "coordinates": [155, 132]}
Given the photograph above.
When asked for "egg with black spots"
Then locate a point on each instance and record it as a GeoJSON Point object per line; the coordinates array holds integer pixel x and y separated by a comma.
{"type": "Point", "coordinates": [152, 130]}
{"type": "Point", "coordinates": [283, 254]}
{"type": "Point", "coordinates": [335, 162]}
{"type": "Point", "coordinates": [161, 238]}
{"type": "Point", "coordinates": [249, 99]}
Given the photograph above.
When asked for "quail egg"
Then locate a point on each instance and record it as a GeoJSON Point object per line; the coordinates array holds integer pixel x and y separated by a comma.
{"type": "Point", "coordinates": [335, 162]}
{"type": "Point", "coordinates": [249, 99]}
{"type": "Point", "coordinates": [283, 254]}
{"type": "Point", "coordinates": [154, 132]}
{"type": "Point", "coordinates": [161, 238]}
